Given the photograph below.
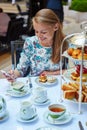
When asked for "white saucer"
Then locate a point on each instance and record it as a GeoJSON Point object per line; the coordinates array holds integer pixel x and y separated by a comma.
{"type": "Point", "coordinates": [46, 84]}
{"type": "Point", "coordinates": [13, 93]}
{"type": "Point", "coordinates": [66, 118]}
{"type": "Point", "coordinates": [5, 117]}
{"type": "Point", "coordinates": [26, 121]}
{"type": "Point", "coordinates": [48, 128]}
{"type": "Point", "coordinates": [42, 103]}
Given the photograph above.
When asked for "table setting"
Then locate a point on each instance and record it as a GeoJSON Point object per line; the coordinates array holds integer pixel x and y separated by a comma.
{"type": "Point", "coordinates": [29, 104]}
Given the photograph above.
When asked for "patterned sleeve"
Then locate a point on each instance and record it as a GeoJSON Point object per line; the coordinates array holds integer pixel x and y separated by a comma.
{"type": "Point", "coordinates": [24, 61]}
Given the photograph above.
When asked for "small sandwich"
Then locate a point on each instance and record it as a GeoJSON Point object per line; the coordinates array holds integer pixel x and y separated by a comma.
{"type": "Point", "coordinates": [66, 86]}
{"type": "Point", "coordinates": [74, 75]}
{"type": "Point", "coordinates": [43, 78]}
{"type": "Point", "coordinates": [84, 79]}
{"type": "Point", "coordinates": [74, 85]}
{"type": "Point", "coordinates": [69, 94]}
{"type": "Point", "coordinates": [18, 86]}
{"type": "Point", "coordinates": [85, 96]}
{"type": "Point", "coordinates": [77, 96]}
{"type": "Point", "coordinates": [51, 79]}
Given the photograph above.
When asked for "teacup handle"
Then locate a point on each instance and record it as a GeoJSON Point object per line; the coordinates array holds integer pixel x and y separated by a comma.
{"type": "Point", "coordinates": [34, 109]}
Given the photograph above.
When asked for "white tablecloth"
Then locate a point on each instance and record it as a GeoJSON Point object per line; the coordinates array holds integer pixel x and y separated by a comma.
{"type": "Point", "coordinates": [13, 105]}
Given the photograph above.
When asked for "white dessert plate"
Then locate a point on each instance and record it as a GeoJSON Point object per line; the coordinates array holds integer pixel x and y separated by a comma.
{"type": "Point", "coordinates": [42, 103]}
{"type": "Point", "coordinates": [26, 121]}
{"type": "Point", "coordinates": [66, 118]}
{"type": "Point", "coordinates": [74, 101]}
{"type": "Point", "coordinates": [48, 128]}
{"type": "Point", "coordinates": [15, 93]}
{"type": "Point", "coordinates": [46, 84]}
{"type": "Point", "coordinates": [5, 117]}
{"type": "Point", "coordinates": [67, 74]}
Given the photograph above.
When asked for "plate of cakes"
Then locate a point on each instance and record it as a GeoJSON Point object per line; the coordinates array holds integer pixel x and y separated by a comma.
{"type": "Point", "coordinates": [71, 92]}
{"type": "Point", "coordinates": [76, 54]}
{"type": "Point", "coordinates": [46, 80]}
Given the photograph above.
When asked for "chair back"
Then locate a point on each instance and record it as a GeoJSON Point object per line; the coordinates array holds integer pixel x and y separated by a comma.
{"type": "Point", "coordinates": [15, 29]}
{"type": "Point", "coordinates": [19, 8]}
{"type": "Point", "coordinates": [16, 49]}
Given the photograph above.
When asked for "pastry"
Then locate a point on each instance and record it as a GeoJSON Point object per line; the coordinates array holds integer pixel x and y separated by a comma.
{"type": "Point", "coordinates": [69, 94]}
{"type": "Point", "coordinates": [84, 56]}
{"type": "Point", "coordinates": [75, 53]}
{"type": "Point", "coordinates": [77, 96]}
{"type": "Point", "coordinates": [85, 96]}
{"type": "Point", "coordinates": [70, 51]}
{"type": "Point", "coordinates": [51, 79]}
{"type": "Point", "coordinates": [42, 78]}
{"type": "Point", "coordinates": [74, 85]}
{"type": "Point", "coordinates": [74, 75]}
{"type": "Point", "coordinates": [67, 87]}
{"type": "Point", "coordinates": [84, 79]}
{"type": "Point", "coordinates": [71, 91]}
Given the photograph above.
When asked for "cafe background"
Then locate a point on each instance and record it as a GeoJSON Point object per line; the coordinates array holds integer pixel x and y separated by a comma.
{"type": "Point", "coordinates": [70, 25]}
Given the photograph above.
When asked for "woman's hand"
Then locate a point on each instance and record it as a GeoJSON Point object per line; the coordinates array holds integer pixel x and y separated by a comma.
{"type": "Point", "coordinates": [10, 76]}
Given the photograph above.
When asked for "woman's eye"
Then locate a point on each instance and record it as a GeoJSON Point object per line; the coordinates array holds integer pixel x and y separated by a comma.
{"type": "Point", "coordinates": [36, 32]}
{"type": "Point", "coordinates": [44, 32]}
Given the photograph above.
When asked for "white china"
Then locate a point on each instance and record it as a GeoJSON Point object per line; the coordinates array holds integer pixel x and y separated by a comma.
{"type": "Point", "coordinates": [42, 103]}
{"type": "Point", "coordinates": [18, 94]}
{"type": "Point", "coordinates": [27, 110]}
{"type": "Point", "coordinates": [73, 101]}
{"type": "Point", "coordinates": [48, 128]}
{"type": "Point", "coordinates": [3, 106]}
{"type": "Point", "coordinates": [56, 111]}
{"type": "Point", "coordinates": [26, 121]}
{"type": "Point", "coordinates": [5, 117]}
{"type": "Point", "coordinates": [40, 94]}
{"type": "Point", "coordinates": [17, 85]}
{"type": "Point", "coordinates": [66, 118]}
{"type": "Point", "coordinates": [46, 84]}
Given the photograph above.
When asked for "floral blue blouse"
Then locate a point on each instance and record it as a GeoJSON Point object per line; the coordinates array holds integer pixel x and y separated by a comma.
{"type": "Point", "coordinates": [35, 56]}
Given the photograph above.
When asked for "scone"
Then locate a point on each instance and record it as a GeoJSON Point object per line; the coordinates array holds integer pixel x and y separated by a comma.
{"type": "Point", "coordinates": [74, 75]}
{"type": "Point", "coordinates": [70, 51]}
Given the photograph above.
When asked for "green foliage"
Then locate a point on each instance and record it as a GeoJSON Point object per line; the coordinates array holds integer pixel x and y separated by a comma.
{"type": "Point", "coordinates": [79, 5]}
{"type": "Point", "coordinates": [64, 3]}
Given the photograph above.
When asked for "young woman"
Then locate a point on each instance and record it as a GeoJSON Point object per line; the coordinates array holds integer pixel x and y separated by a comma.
{"type": "Point", "coordinates": [41, 52]}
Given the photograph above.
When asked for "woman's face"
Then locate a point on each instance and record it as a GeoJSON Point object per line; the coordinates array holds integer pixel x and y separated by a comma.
{"type": "Point", "coordinates": [45, 33]}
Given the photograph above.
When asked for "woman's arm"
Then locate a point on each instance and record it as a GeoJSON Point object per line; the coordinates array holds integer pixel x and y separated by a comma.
{"type": "Point", "coordinates": [56, 72]}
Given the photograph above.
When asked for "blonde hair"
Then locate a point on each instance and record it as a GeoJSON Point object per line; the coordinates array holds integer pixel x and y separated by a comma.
{"type": "Point", "coordinates": [47, 16]}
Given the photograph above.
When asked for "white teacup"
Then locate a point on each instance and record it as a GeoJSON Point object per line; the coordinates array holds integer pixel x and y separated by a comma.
{"type": "Point", "coordinates": [2, 106]}
{"type": "Point", "coordinates": [40, 94]}
{"type": "Point", "coordinates": [56, 111]}
{"type": "Point", "coordinates": [27, 111]}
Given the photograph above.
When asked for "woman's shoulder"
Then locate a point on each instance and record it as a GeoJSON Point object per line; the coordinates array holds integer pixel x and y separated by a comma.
{"type": "Point", "coordinates": [31, 42]}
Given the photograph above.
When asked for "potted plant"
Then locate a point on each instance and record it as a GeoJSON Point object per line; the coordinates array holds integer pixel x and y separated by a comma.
{"type": "Point", "coordinates": [80, 6]}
